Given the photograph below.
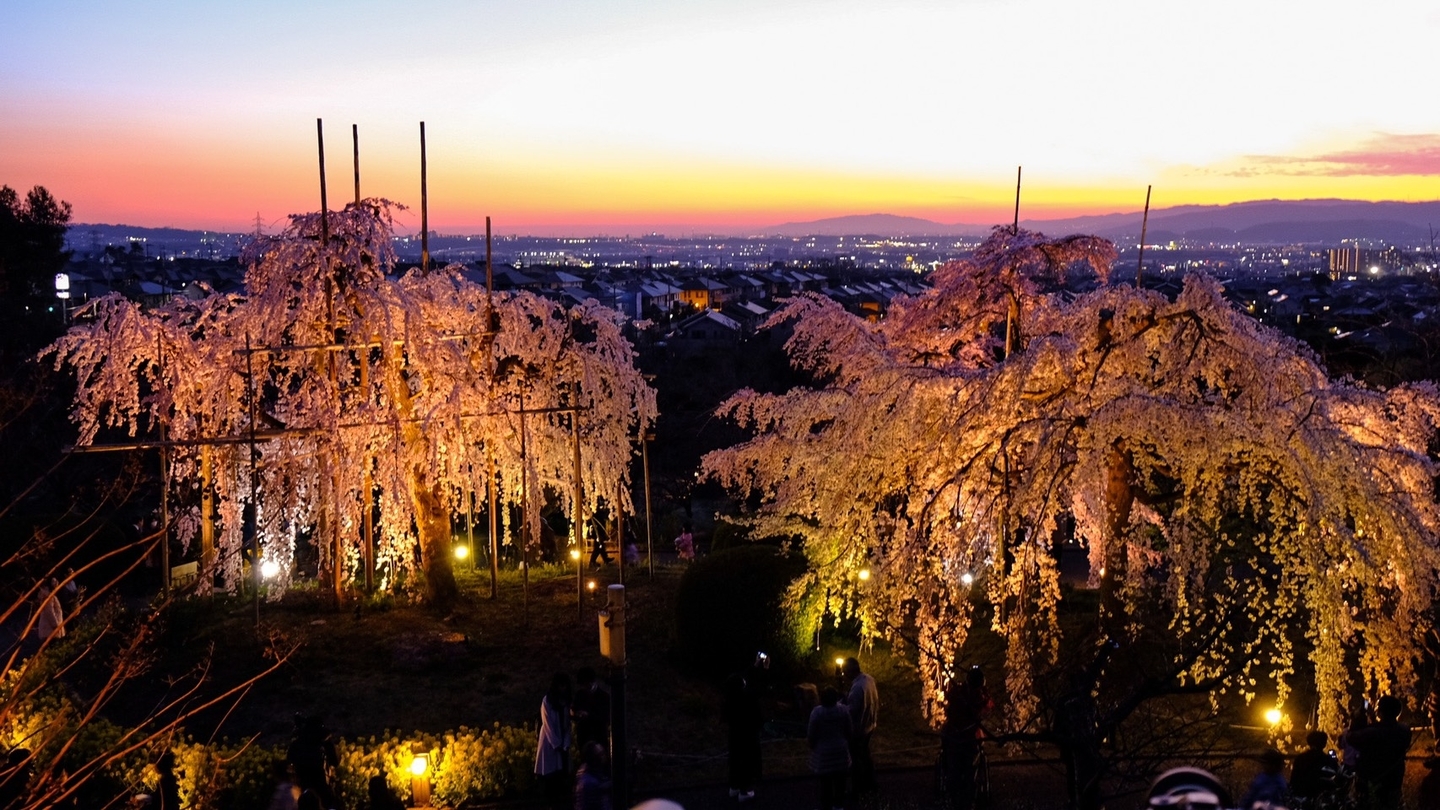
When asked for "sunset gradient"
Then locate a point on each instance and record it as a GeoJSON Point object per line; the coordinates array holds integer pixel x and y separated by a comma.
{"type": "Point", "coordinates": [625, 117]}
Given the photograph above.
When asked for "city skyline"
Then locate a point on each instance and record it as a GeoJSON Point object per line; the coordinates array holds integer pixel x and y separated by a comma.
{"type": "Point", "coordinates": [621, 117]}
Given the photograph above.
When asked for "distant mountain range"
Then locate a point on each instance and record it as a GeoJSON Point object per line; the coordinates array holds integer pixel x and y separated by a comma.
{"type": "Point", "coordinates": [1321, 222]}
{"type": "Point", "coordinates": [1256, 222]}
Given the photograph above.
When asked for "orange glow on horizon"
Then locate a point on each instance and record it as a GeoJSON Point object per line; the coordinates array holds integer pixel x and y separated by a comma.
{"type": "Point", "coordinates": [174, 179]}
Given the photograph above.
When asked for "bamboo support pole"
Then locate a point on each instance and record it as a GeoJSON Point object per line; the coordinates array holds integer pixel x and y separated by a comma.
{"type": "Point", "coordinates": [578, 529]}
{"type": "Point", "coordinates": [424, 208]}
{"type": "Point", "coordinates": [1144, 223]}
{"type": "Point", "coordinates": [1016, 227]}
{"type": "Point", "coordinates": [355, 137]}
{"type": "Point", "coordinates": [324, 205]}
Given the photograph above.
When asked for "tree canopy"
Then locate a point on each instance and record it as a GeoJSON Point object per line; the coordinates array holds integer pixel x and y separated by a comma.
{"type": "Point", "coordinates": [355, 383]}
{"type": "Point", "coordinates": [1270, 520]}
{"type": "Point", "coordinates": [32, 241]}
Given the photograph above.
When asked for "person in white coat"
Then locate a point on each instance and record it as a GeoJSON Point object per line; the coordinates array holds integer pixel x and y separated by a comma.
{"type": "Point", "coordinates": [51, 621]}
{"type": "Point", "coordinates": [552, 754]}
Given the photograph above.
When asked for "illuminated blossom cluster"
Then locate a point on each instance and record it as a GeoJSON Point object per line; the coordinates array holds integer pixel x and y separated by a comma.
{"type": "Point", "coordinates": [1218, 477]}
{"type": "Point", "coordinates": [357, 383]}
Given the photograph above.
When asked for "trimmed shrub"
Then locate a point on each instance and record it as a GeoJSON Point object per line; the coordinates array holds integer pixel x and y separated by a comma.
{"type": "Point", "coordinates": [730, 606]}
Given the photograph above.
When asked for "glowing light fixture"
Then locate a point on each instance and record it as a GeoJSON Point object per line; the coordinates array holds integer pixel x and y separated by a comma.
{"type": "Point", "coordinates": [864, 575]}
{"type": "Point", "coordinates": [967, 579]}
{"type": "Point", "coordinates": [462, 552]}
{"type": "Point", "coordinates": [589, 584]}
{"type": "Point", "coordinates": [574, 553]}
{"type": "Point", "coordinates": [269, 568]}
{"type": "Point", "coordinates": [420, 764]}
{"type": "Point", "coordinates": [1274, 716]}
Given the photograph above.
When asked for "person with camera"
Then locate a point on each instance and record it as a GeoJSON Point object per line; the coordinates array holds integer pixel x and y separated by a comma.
{"type": "Point", "coordinates": [967, 704]}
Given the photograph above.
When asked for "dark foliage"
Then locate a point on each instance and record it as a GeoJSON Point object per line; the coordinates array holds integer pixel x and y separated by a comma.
{"type": "Point", "coordinates": [728, 608]}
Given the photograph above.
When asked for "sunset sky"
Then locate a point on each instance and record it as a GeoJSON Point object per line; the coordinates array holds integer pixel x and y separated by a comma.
{"type": "Point", "coordinates": [623, 116]}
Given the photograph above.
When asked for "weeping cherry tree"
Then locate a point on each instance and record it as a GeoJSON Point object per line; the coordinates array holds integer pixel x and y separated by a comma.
{"type": "Point", "coordinates": [360, 392]}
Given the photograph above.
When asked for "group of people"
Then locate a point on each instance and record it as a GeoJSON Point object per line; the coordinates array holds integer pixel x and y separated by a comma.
{"type": "Point", "coordinates": [1374, 752]}
{"type": "Point", "coordinates": [839, 733]}
{"type": "Point", "coordinates": [575, 716]}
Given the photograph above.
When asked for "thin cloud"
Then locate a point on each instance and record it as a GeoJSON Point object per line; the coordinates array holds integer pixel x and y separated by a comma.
{"type": "Point", "coordinates": [1384, 155]}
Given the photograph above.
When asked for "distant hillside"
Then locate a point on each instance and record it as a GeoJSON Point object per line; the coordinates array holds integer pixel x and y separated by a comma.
{"type": "Point", "coordinates": [1262, 221]}
{"type": "Point", "coordinates": [85, 238]}
{"type": "Point", "coordinates": [873, 225]}
{"type": "Point", "coordinates": [1258, 221]}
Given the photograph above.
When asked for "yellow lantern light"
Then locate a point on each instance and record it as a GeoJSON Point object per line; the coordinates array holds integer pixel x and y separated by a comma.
{"type": "Point", "coordinates": [462, 552]}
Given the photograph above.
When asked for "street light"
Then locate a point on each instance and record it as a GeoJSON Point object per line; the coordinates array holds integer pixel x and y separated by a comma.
{"type": "Point", "coordinates": [420, 780]}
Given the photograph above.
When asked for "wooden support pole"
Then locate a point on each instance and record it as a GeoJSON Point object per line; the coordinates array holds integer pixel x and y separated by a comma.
{"type": "Point", "coordinates": [649, 534]}
{"type": "Point", "coordinates": [578, 528]}
{"type": "Point", "coordinates": [337, 537]}
{"type": "Point", "coordinates": [367, 484]}
{"type": "Point", "coordinates": [1144, 223]}
{"type": "Point", "coordinates": [207, 517]}
{"type": "Point", "coordinates": [367, 522]}
{"type": "Point", "coordinates": [524, 513]}
{"type": "Point", "coordinates": [355, 137]}
{"type": "Point", "coordinates": [253, 391]}
{"type": "Point", "coordinates": [164, 488]}
{"type": "Point", "coordinates": [424, 209]}
{"type": "Point", "coordinates": [470, 520]}
{"type": "Point", "coordinates": [324, 205]}
{"type": "Point", "coordinates": [494, 515]}
{"type": "Point", "coordinates": [1016, 227]}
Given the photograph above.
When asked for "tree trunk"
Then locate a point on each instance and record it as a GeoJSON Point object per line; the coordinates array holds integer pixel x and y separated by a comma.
{"type": "Point", "coordinates": [1119, 499]}
{"type": "Point", "coordinates": [432, 522]}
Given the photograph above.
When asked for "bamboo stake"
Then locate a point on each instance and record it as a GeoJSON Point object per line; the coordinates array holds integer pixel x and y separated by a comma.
{"type": "Point", "coordinates": [164, 490]}
{"type": "Point", "coordinates": [524, 513]}
{"type": "Point", "coordinates": [1016, 227]}
{"type": "Point", "coordinates": [355, 136]}
{"type": "Point", "coordinates": [470, 519]}
{"type": "Point", "coordinates": [424, 209]}
{"type": "Point", "coordinates": [490, 454]}
{"type": "Point", "coordinates": [254, 483]}
{"type": "Point", "coordinates": [494, 525]}
{"type": "Point", "coordinates": [579, 520]}
{"type": "Point", "coordinates": [649, 533]}
{"type": "Point", "coordinates": [324, 206]}
{"type": "Point", "coordinates": [489, 285]}
{"type": "Point", "coordinates": [1144, 223]}
{"type": "Point", "coordinates": [207, 515]}
{"type": "Point", "coordinates": [619, 533]}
